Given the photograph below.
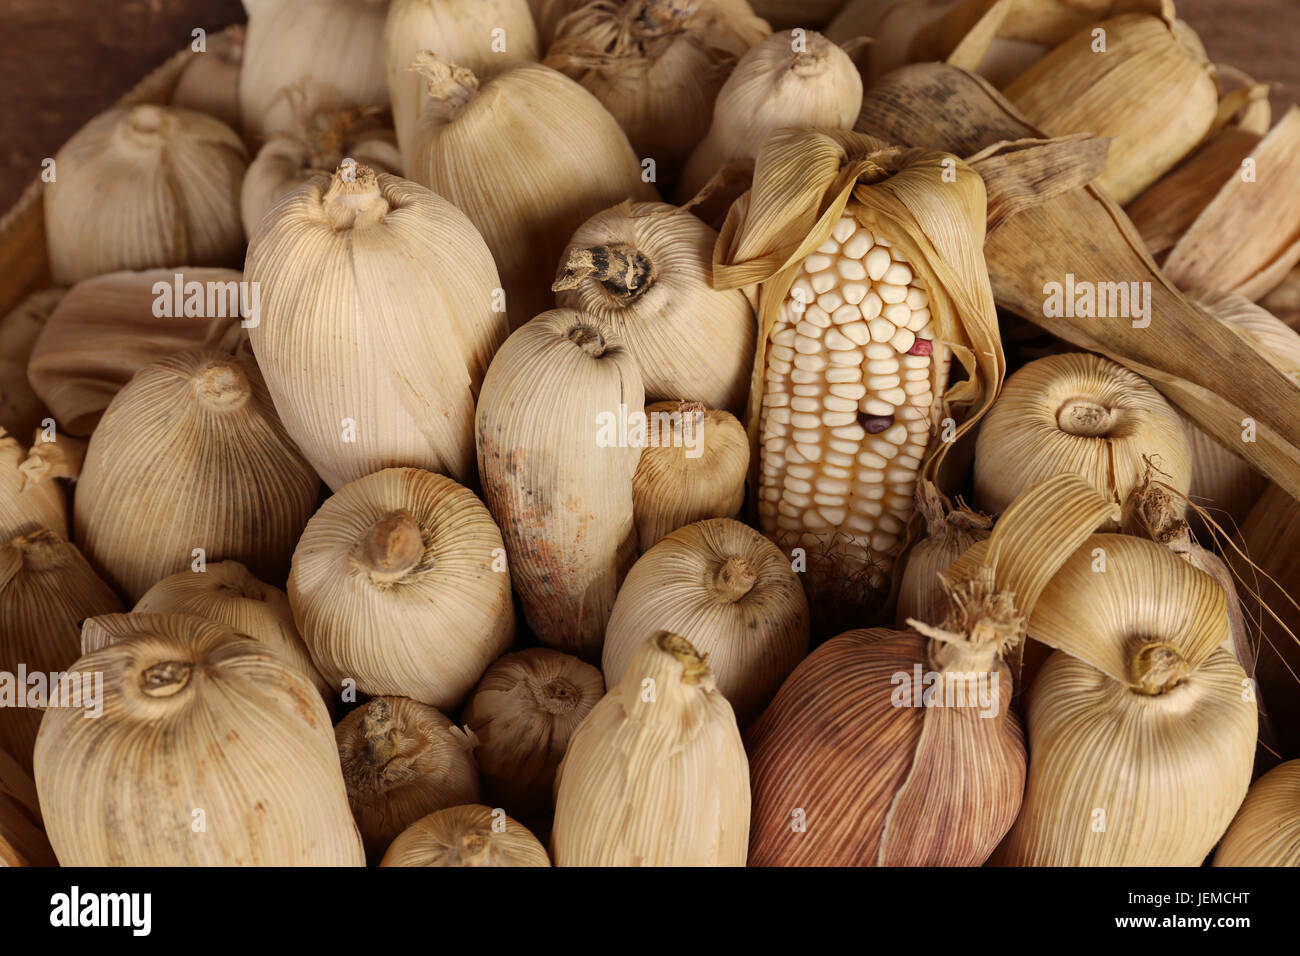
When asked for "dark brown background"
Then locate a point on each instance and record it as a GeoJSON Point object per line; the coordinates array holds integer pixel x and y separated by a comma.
{"type": "Point", "coordinates": [62, 61]}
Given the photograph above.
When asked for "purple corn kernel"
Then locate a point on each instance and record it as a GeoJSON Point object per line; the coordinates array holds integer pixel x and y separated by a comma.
{"type": "Point", "coordinates": [921, 347]}
{"type": "Point", "coordinates": [875, 424]}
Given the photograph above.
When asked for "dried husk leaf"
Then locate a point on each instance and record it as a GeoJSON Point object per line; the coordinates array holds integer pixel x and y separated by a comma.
{"type": "Point", "coordinates": [731, 593]}
{"type": "Point", "coordinates": [22, 836]}
{"type": "Point", "coordinates": [334, 255]}
{"type": "Point", "coordinates": [395, 585]}
{"type": "Point", "coordinates": [1284, 301]}
{"type": "Point", "coordinates": [402, 760]}
{"type": "Point", "coordinates": [950, 529]}
{"type": "Point", "coordinates": [227, 593]}
{"type": "Point", "coordinates": [190, 455]}
{"type": "Point", "coordinates": [463, 31]}
{"type": "Point", "coordinates": [1140, 715]}
{"type": "Point", "coordinates": [656, 775]}
{"type": "Point", "coordinates": [505, 151]}
{"type": "Point", "coordinates": [523, 713]}
{"type": "Point", "coordinates": [27, 506]}
{"type": "Point", "coordinates": [1266, 830]}
{"type": "Point", "coordinates": [647, 269]}
{"type": "Point", "coordinates": [330, 51]}
{"type": "Point", "coordinates": [196, 717]}
{"type": "Point", "coordinates": [696, 474]}
{"type": "Point", "coordinates": [46, 589]}
{"type": "Point", "coordinates": [1121, 94]}
{"type": "Point", "coordinates": [106, 329]}
{"type": "Point", "coordinates": [466, 836]}
{"type": "Point", "coordinates": [61, 457]}
{"type": "Point", "coordinates": [1046, 222]}
{"type": "Point", "coordinates": [210, 81]}
{"type": "Point", "coordinates": [782, 81]}
{"type": "Point", "coordinates": [558, 483]}
{"type": "Point", "coordinates": [21, 409]}
{"type": "Point", "coordinates": [805, 180]}
{"type": "Point", "coordinates": [145, 187]}
{"type": "Point", "coordinates": [657, 66]}
{"type": "Point", "coordinates": [1083, 414]}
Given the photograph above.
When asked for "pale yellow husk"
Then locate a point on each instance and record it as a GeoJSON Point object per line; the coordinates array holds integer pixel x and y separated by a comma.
{"type": "Point", "coordinates": [145, 187]}
{"type": "Point", "coordinates": [27, 506]}
{"type": "Point", "coordinates": [106, 329]}
{"type": "Point", "coordinates": [523, 712]}
{"type": "Point", "coordinates": [22, 835]}
{"type": "Point", "coordinates": [696, 470]}
{"type": "Point", "coordinates": [399, 585]}
{"type": "Point", "coordinates": [486, 36]}
{"type": "Point", "coordinates": [657, 774]}
{"type": "Point", "coordinates": [506, 152]}
{"type": "Point", "coordinates": [46, 589]}
{"type": "Point", "coordinates": [227, 593]}
{"type": "Point", "coordinates": [61, 457]}
{"type": "Point", "coordinates": [731, 593]}
{"type": "Point", "coordinates": [210, 81]}
{"type": "Point", "coordinates": [211, 750]}
{"type": "Point", "coordinates": [190, 455]}
{"type": "Point", "coordinates": [950, 528]}
{"type": "Point", "coordinates": [377, 324]}
{"type": "Point", "coordinates": [647, 269]}
{"type": "Point", "coordinates": [401, 761]}
{"type": "Point", "coordinates": [21, 409]}
{"type": "Point", "coordinates": [472, 835]}
{"type": "Point", "coordinates": [1266, 830]}
{"type": "Point", "coordinates": [557, 472]}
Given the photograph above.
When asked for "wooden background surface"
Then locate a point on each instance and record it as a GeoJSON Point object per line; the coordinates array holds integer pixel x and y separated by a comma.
{"type": "Point", "coordinates": [63, 61]}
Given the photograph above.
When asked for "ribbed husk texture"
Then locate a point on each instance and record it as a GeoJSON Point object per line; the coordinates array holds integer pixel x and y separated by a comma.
{"type": "Point", "coordinates": [210, 81]}
{"type": "Point", "coordinates": [399, 584]}
{"type": "Point", "coordinates": [472, 835]}
{"type": "Point", "coordinates": [145, 187]}
{"type": "Point", "coordinates": [105, 330]}
{"type": "Point", "coordinates": [656, 775]}
{"type": "Point", "coordinates": [1082, 414]}
{"type": "Point", "coordinates": [329, 51]}
{"type": "Point", "coordinates": [523, 713]}
{"type": "Point", "coordinates": [227, 593]}
{"type": "Point", "coordinates": [27, 506]}
{"type": "Point", "coordinates": [460, 30]}
{"type": "Point", "coordinates": [190, 454]}
{"type": "Point", "coordinates": [950, 528]}
{"type": "Point", "coordinates": [647, 268]}
{"type": "Point", "coordinates": [1141, 730]}
{"type": "Point", "coordinates": [558, 483]}
{"type": "Point", "coordinates": [780, 82]}
{"type": "Point", "coordinates": [46, 589]}
{"type": "Point", "coordinates": [196, 717]}
{"type": "Point", "coordinates": [22, 834]}
{"type": "Point", "coordinates": [21, 409]}
{"type": "Point", "coordinates": [804, 182]}
{"type": "Point", "coordinates": [696, 474]}
{"type": "Point", "coordinates": [402, 760]}
{"type": "Point", "coordinates": [657, 66]}
{"type": "Point", "coordinates": [1266, 830]}
{"type": "Point", "coordinates": [731, 593]}
{"type": "Point", "coordinates": [377, 324]}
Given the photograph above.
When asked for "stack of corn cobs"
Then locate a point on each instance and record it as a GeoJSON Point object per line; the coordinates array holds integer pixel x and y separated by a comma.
{"type": "Point", "coordinates": [740, 444]}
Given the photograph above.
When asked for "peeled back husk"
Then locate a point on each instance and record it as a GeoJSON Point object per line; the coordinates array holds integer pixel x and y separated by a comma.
{"type": "Point", "coordinates": [731, 593]}
{"type": "Point", "coordinates": [21, 409]}
{"type": "Point", "coordinates": [399, 584]}
{"type": "Point", "coordinates": [401, 761]}
{"type": "Point", "coordinates": [1266, 830]}
{"type": "Point", "coordinates": [189, 464]}
{"type": "Point", "coordinates": [46, 589]}
{"type": "Point", "coordinates": [145, 187]}
{"type": "Point", "coordinates": [210, 81]}
{"type": "Point", "coordinates": [472, 835]}
{"type": "Point", "coordinates": [523, 714]}
{"type": "Point", "coordinates": [27, 506]}
{"type": "Point", "coordinates": [949, 530]}
{"type": "Point", "coordinates": [647, 269]}
{"type": "Point", "coordinates": [557, 464]}
{"type": "Point", "coordinates": [359, 394]}
{"type": "Point", "coordinates": [656, 775]}
{"type": "Point", "coordinates": [210, 751]}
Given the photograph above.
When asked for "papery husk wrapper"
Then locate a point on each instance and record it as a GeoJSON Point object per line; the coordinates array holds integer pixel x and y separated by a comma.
{"type": "Point", "coordinates": [1266, 830]}
{"type": "Point", "coordinates": [950, 529]}
{"type": "Point", "coordinates": [62, 457]}
{"type": "Point", "coordinates": [191, 455]}
{"type": "Point", "coordinates": [396, 586]}
{"type": "Point", "coordinates": [472, 835]}
{"type": "Point", "coordinates": [210, 81]}
{"type": "Point", "coordinates": [563, 502]}
{"type": "Point", "coordinates": [195, 717]}
{"type": "Point", "coordinates": [731, 593]}
{"type": "Point", "coordinates": [1284, 300]}
{"type": "Point", "coordinates": [22, 835]}
{"type": "Point", "coordinates": [1046, 221]}
{"type": "Point", "coordinates": [21, 409]}
{"type": "Point", "coordinates": [656, 775]}
{"type": "Point", "coordinates": [27, 506]}
{"type": "Point", "coordinates": [524, 712]}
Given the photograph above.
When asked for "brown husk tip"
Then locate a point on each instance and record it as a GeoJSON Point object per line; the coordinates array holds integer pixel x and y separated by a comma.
{"type": "Point", "coordinates": [447, 83]}
{"type": "Point", "coordinates": [981, 624]}
{"type": "Point", "coordinates": [392, 547]}
{"type": "Point", "coordinates": [734, 579]}
{"type": "Point", "coordinates": [946, 523]}
{"type": "Point", "coordinates": [694, 664]}
{"type": "Point", "coordinates": [620, 269]}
